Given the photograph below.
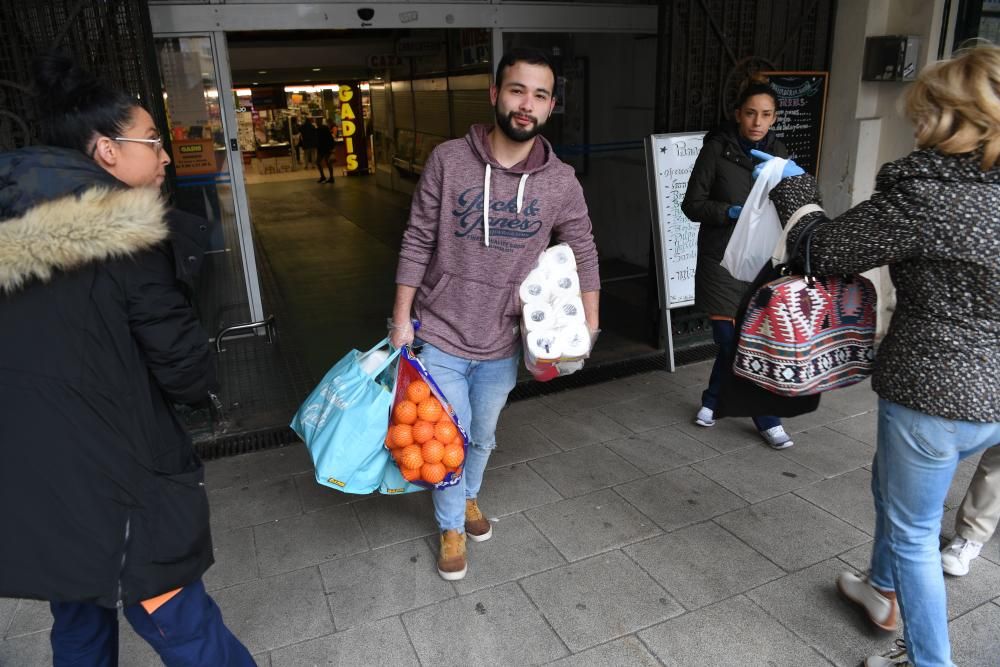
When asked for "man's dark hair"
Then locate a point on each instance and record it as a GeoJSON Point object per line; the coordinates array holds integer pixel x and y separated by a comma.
{"type": "Point", "coordinates": [524, 55]}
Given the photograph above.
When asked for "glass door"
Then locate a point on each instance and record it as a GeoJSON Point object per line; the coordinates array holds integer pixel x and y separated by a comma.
{"type": "Point", "coordinates": [201, 115]}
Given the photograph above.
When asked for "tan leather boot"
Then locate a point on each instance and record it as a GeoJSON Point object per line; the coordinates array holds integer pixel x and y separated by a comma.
{"type": "Point", "coordinates": [477, 526]}
{"type": "Point", "coordinates": [451, 559]}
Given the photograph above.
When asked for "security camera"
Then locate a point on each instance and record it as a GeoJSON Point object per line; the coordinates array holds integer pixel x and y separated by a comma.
{"type": "Point", "coordinates": [366, 13]}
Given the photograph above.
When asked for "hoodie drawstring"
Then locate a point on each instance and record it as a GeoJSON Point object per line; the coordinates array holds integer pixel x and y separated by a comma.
{"type": "Point", "coordinates": [486, 207]}
{"type": "Point", "coordinates": [486, 202]}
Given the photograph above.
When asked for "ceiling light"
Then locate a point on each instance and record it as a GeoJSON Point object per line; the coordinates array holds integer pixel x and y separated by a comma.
{"type": "Point", "coordinates": [315, 69]}
{"type": "Point", "coordinates": [262, 71]}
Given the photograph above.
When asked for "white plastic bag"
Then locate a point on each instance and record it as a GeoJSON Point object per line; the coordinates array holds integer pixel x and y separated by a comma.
{"type": "Point", "coordinates": [758, 227]}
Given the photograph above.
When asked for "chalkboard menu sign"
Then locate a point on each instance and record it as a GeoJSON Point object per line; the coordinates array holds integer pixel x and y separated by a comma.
{"type": "Point", "coordinates": [669, 161]}
{"type": "Point", "coordinates": [801, 107]}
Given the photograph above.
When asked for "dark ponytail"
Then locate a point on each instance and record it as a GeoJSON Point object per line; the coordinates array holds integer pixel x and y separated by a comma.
{"type": "Point", "coordinates": [74, 106]}
{"type": "Point", "coordinates": [758, 85]}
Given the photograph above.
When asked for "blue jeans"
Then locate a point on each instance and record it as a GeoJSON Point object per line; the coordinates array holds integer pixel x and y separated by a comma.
{"type": "Point", "coordinates": [916, 458]}
{"type": "Point", "coordinates": [478, 391]}
{"type": "Point", "coordinates": [724, 335]}
{"type": "Point", "coordinates": [186, 630]}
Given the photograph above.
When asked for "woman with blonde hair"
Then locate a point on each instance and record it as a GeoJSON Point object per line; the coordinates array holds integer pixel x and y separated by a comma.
{"type": "Point", "coordinates": [935, 220]}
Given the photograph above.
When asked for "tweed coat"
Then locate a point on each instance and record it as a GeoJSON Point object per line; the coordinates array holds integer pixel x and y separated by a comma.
{"type": "Point", "coordinates": [935, 220]}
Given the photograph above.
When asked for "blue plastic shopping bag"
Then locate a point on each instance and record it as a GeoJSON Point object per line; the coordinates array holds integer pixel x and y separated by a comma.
{"type": "Point", "coordinates": [344, 421]}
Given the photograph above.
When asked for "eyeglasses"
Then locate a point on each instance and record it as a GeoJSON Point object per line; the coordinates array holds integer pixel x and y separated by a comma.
{"type": "Point", "coordinates": [156, 144]}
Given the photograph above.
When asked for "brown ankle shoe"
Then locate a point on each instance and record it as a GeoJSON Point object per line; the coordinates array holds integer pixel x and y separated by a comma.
{"type": "Point", "coordinates": [451, 560]}
{"type": "Point", "coordinates": [477, 527]}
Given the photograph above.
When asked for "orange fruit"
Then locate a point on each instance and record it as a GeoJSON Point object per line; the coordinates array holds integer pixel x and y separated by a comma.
{"type": "Point", "coordinates": [453, 456]}
{"type": "Point", "coordinates": [422, 432]}
{"type": "Point", "coordinates": [458, 441]}
{"type": "Point", "coordinates": [432, 472]}
{"type": "Point", "coordinates": [444, 430]}
{"type": "Point", "coordinates": [401, 435]}
{"type": "Point", "coordinates": [432, 451]}
{"type": "Point", "coordinates": [410, 474]}
{"type": "Point", "coordinates": [410, 457]}
{"type": "Point", "coordinates": [429, 410]}
{"type": "Point", "coordinates": [418, 391]}
{"type": "Point", "coordinates": [405, 412]}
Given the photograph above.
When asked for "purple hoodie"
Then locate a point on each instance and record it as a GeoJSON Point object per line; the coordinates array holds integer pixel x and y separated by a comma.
{"type": "Point", "coordinates": [468, 275]}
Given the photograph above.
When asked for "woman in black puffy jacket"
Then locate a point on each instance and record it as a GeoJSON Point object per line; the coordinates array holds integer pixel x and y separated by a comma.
{"type": "Point", "coordinates": [720, 182]}
{"type": "Point", "coordinates": [102, 500]}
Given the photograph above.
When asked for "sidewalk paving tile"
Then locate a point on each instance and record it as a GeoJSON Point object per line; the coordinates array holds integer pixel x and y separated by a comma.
{"type": "Point", "coordinates": [807, 603]}
{"type": "Point", "coordinates": [383, 582]}
{"type": "Point", "coordinates": [853, 400]}
{"type": "Point", "coordinates": [680, 497]}
{"type": "Point", "coordinates": [34, 649]}
{"type": "Point", "coordinates": [279, 463]}
{"type": "Point", "coordinates": [847, 497]}
{"type": "Point", "coordinates": [703, 564]}
{"type": "Point", "coordinates": [517, 444]}
{"type": "Point", "coordinates": [605, 597]}
{"type": "Point", "coordinates": [7, 608]}
{"type": "Point", "coordinates": [592, 397]}
{"type": "Point", "coordinates": [756, 473]}
{"type": "Point", "coordinates": [819, 417]}
{"type": "Point", "coordinates": [316, 496]}
{"type": "Point", "coordinates": [496, 626]}
{"type": "Point", "coordinates": [728, 633]}
{"type": "Point", "coordinates": [660, 449]}
{"type": "Point", "coordinates": [652, 411]}
{"type": "Point", "coordinates": [525, 412]}
{"type": "Point", "coordinates": [380, 643]}
{"type": "Point", "coordinates": [974, 637]}
{"type": "Point", "coordinates": [392, 519]}
{"type": "Point", "coordinates": [581, 429]}
{"type": "Point", "coordinates": [863, 427]}
{"type": "Point", "coordinates": [235, 559]}
{"type": "Point", "coordinates": [580, 471]}
{"type": "Point", "coordinates": [588, 525]}
{"type": "Point", "coordinates": [792, 532]}
{"type": "Point", "coordinates": [308, 539]}
{"type": "Point", "coordinates": [277, 611]}
{"type": "Point", "coordinates": [251, 504]}
{"type": "Point", "coordinates": [627, 651]}
{"type": "Point", "coordinates": [980, 585]}
{"type": "Point", "coordinates": [828, 452]}
{"type": "Point", "coordinates": [31, 616]}
{"type": "Point", "coordinates": [727, 435]}
{"type": "Point", "coordinates": [516, 550]}
{"type": "Point", "coordinates": [514, 489]}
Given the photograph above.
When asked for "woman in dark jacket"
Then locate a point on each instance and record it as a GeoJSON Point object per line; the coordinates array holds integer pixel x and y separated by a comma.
{"type": "Point", "coordinates": [720, 182]}
{"type": "Point", "coordinates": [102, 497]}
{"type": "Point", "coordinates": [935, 220]}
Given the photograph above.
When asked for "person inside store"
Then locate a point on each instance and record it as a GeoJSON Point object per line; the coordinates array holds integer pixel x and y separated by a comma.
{"type": "Point", "coordinates": [104, 504]}
{"type": "Point", "coordinates": [934, 221]}
{"type": "Point", "coordinates": [324, 151]}
{"type": "Point", "coordinates": [719, 184]}
{"type": "Point", "coordinates": [459, 270]}
{"type": "Point", "coordinates": [307, 139]}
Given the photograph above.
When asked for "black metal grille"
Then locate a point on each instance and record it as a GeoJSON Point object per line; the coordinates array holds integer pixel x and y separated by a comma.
{"type": "Point", "coordinates": [111, 38]}
{"type": "Point", "coordinates": [708, 48]}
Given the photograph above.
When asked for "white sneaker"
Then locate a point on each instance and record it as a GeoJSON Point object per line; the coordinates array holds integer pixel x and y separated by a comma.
{"type": "Point", "coordinates": [955, 557]}
{"type": "Point", "coordinates": [777, 438]}
{"type": "Point", "coordinates": [705, 417]}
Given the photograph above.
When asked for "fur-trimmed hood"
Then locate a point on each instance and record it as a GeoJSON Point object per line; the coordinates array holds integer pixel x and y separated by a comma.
{"type": "Point", "coordinates": [60, 211]}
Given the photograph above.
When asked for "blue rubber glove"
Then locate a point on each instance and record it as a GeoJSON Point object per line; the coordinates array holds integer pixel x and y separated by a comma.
{"type": "Point", "coordinates": [734, 212]}
{"type": "Point", "coordinates": [791, 169]}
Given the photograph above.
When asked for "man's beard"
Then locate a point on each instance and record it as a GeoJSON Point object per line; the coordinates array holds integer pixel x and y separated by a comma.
{"type": "Point", "coordinates": [511, 131]}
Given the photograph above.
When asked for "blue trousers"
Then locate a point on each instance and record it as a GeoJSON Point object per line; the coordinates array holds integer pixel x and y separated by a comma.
{"type": "Point", "coordinates": [724, 335]}
{"type": "Point", "coordinates": [478, 391]}
{"type": "Point", "coordinates": [186, 630]}
{"type": "Point", "coordinates": [915, 461]}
